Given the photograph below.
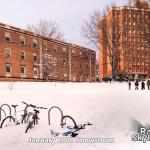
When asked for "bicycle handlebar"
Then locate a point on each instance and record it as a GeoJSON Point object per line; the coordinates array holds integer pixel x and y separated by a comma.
{"type": "Point", "coordinates": [33, 106]}
{"type": "Point", "coordinates": [24, 103]}
{"type": "Point", "coordinates": [41, 107]}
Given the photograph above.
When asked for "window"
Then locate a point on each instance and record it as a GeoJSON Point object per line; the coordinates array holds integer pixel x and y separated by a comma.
{"type": "Point", "coordinates": [22, 40]}
{"type": "Point", "coordinates": [92, 57]}
{"type": "Point", "coordinates": [74, 66]}
{"type": "Point", "coordinates": [45, 45]}
{"type": "Point", "coordinates": [23, 70]}
{"type": "Point", "coordinates": [35, 58]}
{"type": "Point", "coordinates": [64, 62]}
{"type": "Point", "coordinates": [34, 44]}
{"type": "Point", "coordinates": [8, 69]}
{"type": "Point", "coordinates": [65, 75]}
{"type": "Point", "coordinates": [7, 52]}
{"type": "Point", "coordinates": [81, 77]}
{"type": "Point", "coordinates": [55, 48]}
{"type": "Point", "coordinates": [7, 37]}
{"type": "Point", "coordinates": [64, 49]}
{"type": "Point", "coordinates": [73, 51]}
{"type": "Point", "coordinates": [35, 71]}
{"type": "Point", "coordinates": [22, 55]}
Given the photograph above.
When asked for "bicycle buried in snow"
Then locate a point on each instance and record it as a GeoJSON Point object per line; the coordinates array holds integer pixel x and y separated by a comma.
{"type": "Point", "coordinates": [33, 120]}
{"type": "Point", "coordinates": [12, 120]}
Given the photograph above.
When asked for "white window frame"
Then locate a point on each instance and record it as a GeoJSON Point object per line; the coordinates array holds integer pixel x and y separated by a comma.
{"type": "Point", "coordinates": [64, 49]}
{"type": "Point", "coordinates": [23, 74]}
{"type": "Point", "coordinates": [34, 54]}
{"type": "Point", "coordinates": [21, 55]}
{"type": "Point", "coordinates": [7, 55]}
{"type": "Point", "coordinates": [45, 47]}
{"type": "Point", "coordinates": [35, 75]}
{"type": "Point", "coordinates": [34, 43]}
{"type": "Point", "coordinates": [22, 38]}
{"type": "Point", "coordinates": [64, 61]}
{"type": "Point", "coordinates": [7, 35]}
{"type": "Point", "coordinates": [73, 51]}
{"type": "Point", "coordinates": [55, 48]}
{"type": "Point", "coordinates": [8, 73]}
{"type": "Point", "coordinates": [65, 75]}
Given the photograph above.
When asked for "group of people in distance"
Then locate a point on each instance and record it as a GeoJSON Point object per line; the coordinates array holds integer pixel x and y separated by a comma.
{"type": "Point", "coordinates": [143, 84]}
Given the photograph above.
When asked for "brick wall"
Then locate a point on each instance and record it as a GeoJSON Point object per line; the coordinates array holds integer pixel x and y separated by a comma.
{"type": "Point", "coordinates": [132, 28]}
{"type": "Point", "coordinates": [74, 63]}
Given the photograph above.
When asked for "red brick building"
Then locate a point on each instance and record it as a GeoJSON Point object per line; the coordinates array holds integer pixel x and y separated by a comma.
{"type": "Point", "coordinates": [21, 50]}
{"type": "Point", "coordinates": [129, 35]}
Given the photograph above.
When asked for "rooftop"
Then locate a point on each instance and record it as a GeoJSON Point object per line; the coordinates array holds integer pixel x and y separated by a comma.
{"type": "Point", "coordinates": [9, 27]}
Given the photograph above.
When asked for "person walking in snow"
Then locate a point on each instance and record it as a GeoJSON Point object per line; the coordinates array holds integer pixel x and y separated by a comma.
{"type": "Point", "coordinates": [142, 85]}
{"type": "Point", "coordinates": [136, 85]}
{"type": "Point", "coordinates": [148, 84]}
{"type": "Point", "coordinates": [129, 83]}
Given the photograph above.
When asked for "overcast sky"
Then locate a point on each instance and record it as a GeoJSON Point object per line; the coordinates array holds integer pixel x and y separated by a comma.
{"type": "Point", "coordinates": [68, 14]}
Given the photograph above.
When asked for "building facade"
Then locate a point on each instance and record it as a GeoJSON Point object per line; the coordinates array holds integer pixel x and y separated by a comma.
{"type": "Point", "coordinates": [128, 39]}
{"type": "Point", "coordinates": [22, 50]}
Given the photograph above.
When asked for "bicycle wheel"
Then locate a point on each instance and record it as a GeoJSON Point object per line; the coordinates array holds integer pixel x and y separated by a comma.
{"type": "Point", "coordinates": [29, 126]}
{"type": "Point", "coordinates": [8, 122]}
{"type": "Point", "coordinates": [24, 119]}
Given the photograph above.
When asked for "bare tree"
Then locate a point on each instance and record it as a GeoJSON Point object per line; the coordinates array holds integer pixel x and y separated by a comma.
{"type": "Point", "coordinates": [90, 28]}
{"type": "Point", "coordinates": [46, 28]}
{"type": "Point", "coordinates": [109, 37]}
{"type": "Point", "coordinates": [97, 71]}
{"type": "Point", "coordinates": [48, 64]}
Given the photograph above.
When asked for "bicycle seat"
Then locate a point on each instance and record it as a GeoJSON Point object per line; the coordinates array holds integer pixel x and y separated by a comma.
{"type": "Point", "coordinates": [33, 106]}
{"type": "Point", "coordinates": [14, 106]}
{"type": "Point", "coordinates": [36, 111]}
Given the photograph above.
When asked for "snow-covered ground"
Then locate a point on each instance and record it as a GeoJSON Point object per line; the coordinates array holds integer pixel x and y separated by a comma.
{"type": "Point", "coordinates": [112, 109]}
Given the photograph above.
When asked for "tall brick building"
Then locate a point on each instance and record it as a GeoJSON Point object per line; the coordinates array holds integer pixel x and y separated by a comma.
{"type": "Point", "coordinates": [21, 50]}
{"type": "Point", "coordinates": [130, 37]}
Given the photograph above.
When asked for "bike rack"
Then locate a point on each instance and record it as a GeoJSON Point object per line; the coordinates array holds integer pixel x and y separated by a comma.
{"type": "Point", "coordinates": [64, 117]}
{"type": "Point", "coordinates": [3, 112]}
{"type": "Point", "coordinates": [3, 109]}
{"type": "Point", "coordinates": [56, 107]}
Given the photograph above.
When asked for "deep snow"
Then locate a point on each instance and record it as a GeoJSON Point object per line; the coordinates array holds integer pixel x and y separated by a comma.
{"type": "Point", "coordinates": [112, 109]}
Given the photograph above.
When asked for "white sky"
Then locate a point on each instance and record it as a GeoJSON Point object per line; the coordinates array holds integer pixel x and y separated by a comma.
{"type": "Point", "coordinates": [68, 14]}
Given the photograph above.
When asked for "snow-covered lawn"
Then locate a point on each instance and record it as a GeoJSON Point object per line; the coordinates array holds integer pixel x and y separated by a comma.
{"type": "Point", "coordinates": [112, 109]}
